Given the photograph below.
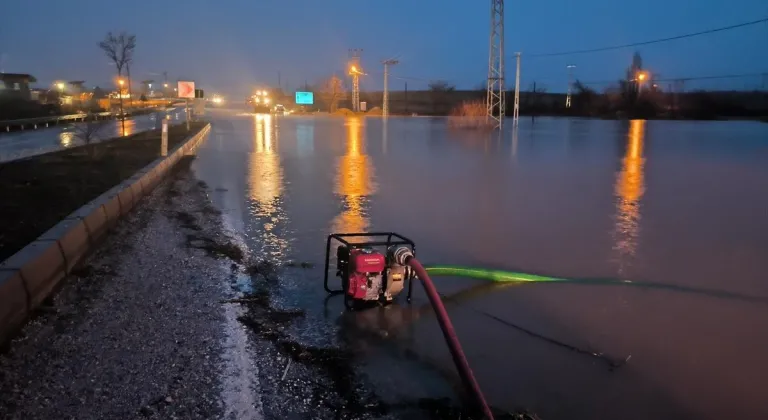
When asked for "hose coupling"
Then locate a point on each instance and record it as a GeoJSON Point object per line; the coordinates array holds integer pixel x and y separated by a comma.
{"type": "Point", "coordinates": [402, 254]}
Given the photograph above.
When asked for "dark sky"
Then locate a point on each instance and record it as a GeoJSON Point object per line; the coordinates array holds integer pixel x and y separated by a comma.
{"type": "Point", "coordinates": [230, 45]}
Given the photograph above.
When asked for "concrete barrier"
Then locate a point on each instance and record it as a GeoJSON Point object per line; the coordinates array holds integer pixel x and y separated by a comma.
{"type": "Point", "coordinates": [28, 277]}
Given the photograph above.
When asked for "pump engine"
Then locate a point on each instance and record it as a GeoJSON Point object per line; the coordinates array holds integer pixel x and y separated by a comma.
{"type": "Point", "coordinates": [368, 269]}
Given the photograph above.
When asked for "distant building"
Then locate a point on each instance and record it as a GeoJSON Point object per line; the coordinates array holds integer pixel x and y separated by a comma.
{"type": "Point", "coordinates": [16, 85]}
{"type": "Point", "coordinates": [76, 87]}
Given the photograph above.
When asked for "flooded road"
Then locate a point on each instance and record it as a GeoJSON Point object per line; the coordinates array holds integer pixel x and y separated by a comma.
{"type": "Point", "coordinates": [680, 203]}
{"type": "Point", "coordinates": [27, 143]}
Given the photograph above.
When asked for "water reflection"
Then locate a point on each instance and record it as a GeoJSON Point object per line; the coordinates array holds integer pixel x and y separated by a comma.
{"type": "Point", "coordinates": [66, 138]}
{"type": "Point", "coordinates": [384, 135]}
{"type": "Point", "coordinates": [629, 190]}
{"type": "Point", "coordinates": [305, 138]}
{"type": "Point", "coordinates": [355, 181]}
{"type": "Point", "coordinates": [130, 128]}
{"type": "Point", "coordinates": [515, 130]}
{"type": "Point", "coordinates": [265, 182]}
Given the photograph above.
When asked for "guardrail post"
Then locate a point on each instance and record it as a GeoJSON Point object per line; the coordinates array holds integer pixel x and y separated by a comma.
{"type": "Point", "coordinates": [164, 139]}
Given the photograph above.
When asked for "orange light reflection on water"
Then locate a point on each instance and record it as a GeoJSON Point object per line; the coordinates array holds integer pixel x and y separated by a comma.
{"type": "Point", "coordinates": [354, 181]}
{"type": "Point", "coordinates": [265, 185]}
{"type": "Point", "coordinates": [265, 174]}
{"type": "Point", "coordinates": [629, 190]}
{"type": "Point", "coordinates": [130, 128]}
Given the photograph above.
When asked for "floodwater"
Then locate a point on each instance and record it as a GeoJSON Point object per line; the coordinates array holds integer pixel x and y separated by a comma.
{"type": "Point", "coordinates": [680, 203]}
{"type": "Point", "coordinates": [26, 143]}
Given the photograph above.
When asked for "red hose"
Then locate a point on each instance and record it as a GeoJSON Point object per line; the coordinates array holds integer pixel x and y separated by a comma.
{"type": "Point", "coordinates": [450, 337]}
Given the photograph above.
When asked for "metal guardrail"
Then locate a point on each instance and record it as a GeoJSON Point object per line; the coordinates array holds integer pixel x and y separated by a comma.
{"type": "Point", "coordinates": [56, 119]}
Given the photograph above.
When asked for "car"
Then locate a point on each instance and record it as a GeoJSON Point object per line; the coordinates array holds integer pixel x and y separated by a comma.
{"type": "Point", "coordinates": [260, 102]}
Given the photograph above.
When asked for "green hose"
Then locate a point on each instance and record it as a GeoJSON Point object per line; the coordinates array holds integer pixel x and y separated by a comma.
{"type": "Point", "coordinates": [502, 276]}
{"type": "Point", "coordinates": [486, 274]}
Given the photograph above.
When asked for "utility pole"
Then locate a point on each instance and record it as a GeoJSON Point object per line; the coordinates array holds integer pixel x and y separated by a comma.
{"type": "Point", "coordinates": [354, 71]}
{"type": "Point", "coordinates": [570, 68]}
{"type": "Point", "coordinates": [494, 97]}
{"type": "Point", "coordinates": [387, 63]}
{"type": "Point", "coordinates": [279, 81]}
{"type": "Point", "coordinates": [516, 111]}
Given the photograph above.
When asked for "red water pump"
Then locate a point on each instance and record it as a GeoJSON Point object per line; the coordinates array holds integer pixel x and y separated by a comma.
{"type": "Point", "coordinates": [368, 267]}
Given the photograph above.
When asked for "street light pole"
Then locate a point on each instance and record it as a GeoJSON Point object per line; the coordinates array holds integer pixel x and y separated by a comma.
{"type": "Point", "coordinates": [354, 54]}
{"type": "Point", "coordinates": [120, 96]}
{"type": "Point", "coordinates": [128, 73]}
{"type": "Point", "coordinates": [387, 63]}
{"type": "Point", "coordinates": [516, 110]}
{"type": "Point", "coordinates": [570, 68]}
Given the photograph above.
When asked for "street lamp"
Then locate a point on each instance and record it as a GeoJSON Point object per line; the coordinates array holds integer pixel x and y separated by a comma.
{"type": "Point", "coordinates": [642, 76]}
{"type": "Point", "coordinates": [60, 86]}
{"type": "Point", "coordinates": [121, 82]}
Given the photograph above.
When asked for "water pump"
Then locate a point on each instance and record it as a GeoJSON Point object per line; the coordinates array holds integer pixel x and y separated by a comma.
{"type": "Point", "coordinates": [369, 276]}
{"type": "Point", "coordinates": [368, 266]}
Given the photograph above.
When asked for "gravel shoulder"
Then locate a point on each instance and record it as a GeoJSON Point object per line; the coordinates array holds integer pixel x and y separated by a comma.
{"type": "Point", "coordinates": [136, 332]}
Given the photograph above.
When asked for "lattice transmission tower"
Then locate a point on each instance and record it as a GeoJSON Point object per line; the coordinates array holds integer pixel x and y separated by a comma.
{"type": "Point", "coordinates": [495, 100]}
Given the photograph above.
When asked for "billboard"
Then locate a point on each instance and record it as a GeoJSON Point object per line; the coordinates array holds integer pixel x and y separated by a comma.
{"type": "Point", "coordinates": [305, 98]}
{"type": "Point", "coordinates": [186, 89]}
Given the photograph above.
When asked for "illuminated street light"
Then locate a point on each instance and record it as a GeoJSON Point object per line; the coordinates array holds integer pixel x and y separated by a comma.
{"type": "Point", "coordinates": [641, 76]}
{"type": "Point", "coordinates": [266, 100]}
{"type": "Point", "coordinates": [165, 85]}
{"type": "Point", "coordinates": [121, 82]}
{"type": "Point", "coordinates": [60, 86]}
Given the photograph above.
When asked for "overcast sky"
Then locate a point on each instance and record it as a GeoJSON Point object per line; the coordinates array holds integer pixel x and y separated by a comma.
{"type": "Point", "coordinates": [234, 45]}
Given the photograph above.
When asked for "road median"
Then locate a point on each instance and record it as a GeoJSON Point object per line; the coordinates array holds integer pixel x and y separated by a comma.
{"type": "Point", "coordinates": [56, 208]}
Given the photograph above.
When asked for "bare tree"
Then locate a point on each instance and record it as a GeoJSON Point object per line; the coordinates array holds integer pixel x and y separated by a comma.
{"type": "Point", "coordinates": [119, 48]}
{"type": "Point", "coordinates": [441, 86]}
{"type": "Point", "coordinates": [89, 131]}
{"type": "Point", "coordinates": [331, 91]}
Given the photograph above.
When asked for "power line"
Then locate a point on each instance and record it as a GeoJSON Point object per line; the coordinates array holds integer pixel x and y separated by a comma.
{"type": "Point", "coordinates": [655, 41]}
{"type": "Point", "coordinates": [615, 47]}
{"type": "Point", "coordinates": [415, 79]}
{"type": "Point", "coordinates": [673, 79]}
